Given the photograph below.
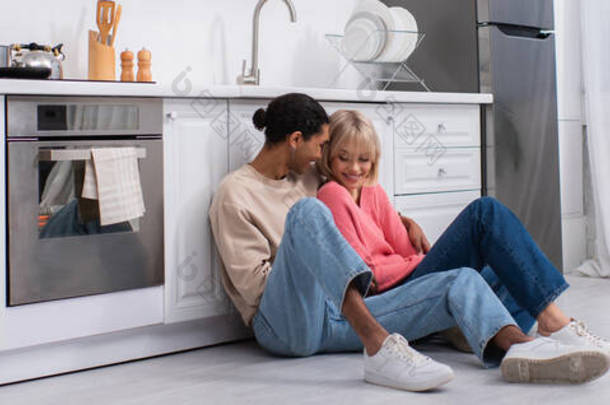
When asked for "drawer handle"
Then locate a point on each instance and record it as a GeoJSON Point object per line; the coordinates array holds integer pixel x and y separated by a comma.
{"type": "Point", "coordinates": [442, 172]}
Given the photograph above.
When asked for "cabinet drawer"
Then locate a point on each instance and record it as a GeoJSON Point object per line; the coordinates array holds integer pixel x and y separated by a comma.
{"type": "Point", "coordinates": [448, 125]}
{"type": "Point", "coordinates": [424, 171]}
{"type": "Point", "coordinates": [434, 212]}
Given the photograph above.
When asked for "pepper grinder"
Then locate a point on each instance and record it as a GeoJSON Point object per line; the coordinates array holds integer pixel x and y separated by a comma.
{"type": "Point", "coordinates": [144, 74]}
{"type": "Point", "coordinates": [127, 66]}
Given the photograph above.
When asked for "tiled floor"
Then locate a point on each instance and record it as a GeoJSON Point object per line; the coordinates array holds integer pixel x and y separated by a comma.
{"type": "Point", "coordinates": [242, 373]}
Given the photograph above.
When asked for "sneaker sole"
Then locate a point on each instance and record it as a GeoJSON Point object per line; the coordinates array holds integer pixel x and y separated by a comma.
{"type": "Point", "coordinates": [573, 368]}
{"type": "Point", "coordinates": [378, 379]}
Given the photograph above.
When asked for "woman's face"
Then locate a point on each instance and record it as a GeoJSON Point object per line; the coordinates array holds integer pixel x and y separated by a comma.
{"type": "Point", "coordinates": [351, 166]}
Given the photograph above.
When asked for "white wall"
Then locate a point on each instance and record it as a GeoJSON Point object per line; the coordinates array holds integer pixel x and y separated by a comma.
{"type": "Point", "coordinates": [209, 36]}
{"type": "Point", "coordinates": [571, 124]}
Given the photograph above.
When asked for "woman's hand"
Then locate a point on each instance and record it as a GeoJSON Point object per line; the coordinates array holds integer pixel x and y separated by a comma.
{"type": "Point", "coordinates": [416, 235]}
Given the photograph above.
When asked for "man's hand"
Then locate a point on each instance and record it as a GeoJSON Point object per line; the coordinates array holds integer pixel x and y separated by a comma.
{"type": "Point", "coordinates": [416, 235]}
{"type": "Point", "coordinates": [373, 287]}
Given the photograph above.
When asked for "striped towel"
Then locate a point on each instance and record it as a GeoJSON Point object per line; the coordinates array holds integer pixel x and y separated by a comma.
{"type": "Point", "coordinates": [112, 177]}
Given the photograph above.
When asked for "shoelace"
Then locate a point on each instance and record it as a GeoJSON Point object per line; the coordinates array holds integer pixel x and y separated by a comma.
{"type": "Point", "coordinates": [582, 330]}
{"type": "Point", "coordinates": [402, 350]}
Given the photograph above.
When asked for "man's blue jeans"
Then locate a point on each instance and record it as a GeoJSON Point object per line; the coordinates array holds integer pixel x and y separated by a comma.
{"type": "Point", "coordinates": [299, 313]}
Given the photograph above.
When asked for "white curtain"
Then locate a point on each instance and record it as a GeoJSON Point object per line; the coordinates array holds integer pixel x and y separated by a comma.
{"type": "Point", "coordinates": [596, 74]}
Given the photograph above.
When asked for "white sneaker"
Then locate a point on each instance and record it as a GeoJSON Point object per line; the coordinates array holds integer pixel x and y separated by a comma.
{"type": "Point", "coordinates": [399, 366]}
{"type": "Point", "coordinates": [545, 360]}
{"type": "Point", "coordinates": [576, 333]}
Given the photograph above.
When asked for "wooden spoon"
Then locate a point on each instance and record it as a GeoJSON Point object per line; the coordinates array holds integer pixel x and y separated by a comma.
{"type": "Point", "coordinates": [104, 19]}
{"type": "Point", "coordinates": [117, 18]}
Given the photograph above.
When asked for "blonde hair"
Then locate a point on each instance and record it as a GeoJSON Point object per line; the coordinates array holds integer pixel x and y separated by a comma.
{"type": "Point", "coordinates": [351, 127]}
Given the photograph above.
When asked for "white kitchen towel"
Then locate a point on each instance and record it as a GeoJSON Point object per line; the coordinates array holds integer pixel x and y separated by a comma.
{"type": "Point", "coordinates": [112, 177]}
{"type": "Point", "coordinates": [89, 182]}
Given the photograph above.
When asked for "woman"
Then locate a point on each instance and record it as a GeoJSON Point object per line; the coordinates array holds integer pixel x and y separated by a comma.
{"type": "Point", "coordinates": [485, 236]}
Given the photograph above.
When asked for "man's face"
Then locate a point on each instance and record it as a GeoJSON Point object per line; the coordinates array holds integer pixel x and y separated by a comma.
{"type": "Point", "coordinates": [309, 151]}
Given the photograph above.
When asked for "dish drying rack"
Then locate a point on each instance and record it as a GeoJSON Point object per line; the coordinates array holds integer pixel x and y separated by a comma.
{"type": "Point", "coordinates": [379, 75]}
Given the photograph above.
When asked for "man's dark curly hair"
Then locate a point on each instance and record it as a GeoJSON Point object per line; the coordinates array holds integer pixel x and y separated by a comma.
{"type": "Point", "coordinates": [289, 113]}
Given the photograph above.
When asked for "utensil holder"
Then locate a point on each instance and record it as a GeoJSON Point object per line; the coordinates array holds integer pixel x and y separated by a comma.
{"type": "Point", "coordinates": [101, 59]}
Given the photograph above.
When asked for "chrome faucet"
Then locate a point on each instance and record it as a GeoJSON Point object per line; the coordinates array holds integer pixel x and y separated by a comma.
{"type": "Point", "coordinates": [253, 76]}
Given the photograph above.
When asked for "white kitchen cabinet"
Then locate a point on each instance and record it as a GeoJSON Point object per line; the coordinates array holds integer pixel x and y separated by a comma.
{"type": "Point", "coordinates": [434, 212]}
{"type": "Point", "coordinates": [437, 162]}
{"type": "Point", "coordinates": [203, 140]}
{"type": "Point", "coordinates": [196, 160]}
{"type": "Point", "coordinates": [382, 119]}
{"type": "Point", "coordinates": [437, 148]}
{"type": "Point", "coordinates": [245, 141]}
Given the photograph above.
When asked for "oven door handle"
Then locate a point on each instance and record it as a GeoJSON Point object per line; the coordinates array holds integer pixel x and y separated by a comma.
{"type": "Point", "coordinates": [55, 155]}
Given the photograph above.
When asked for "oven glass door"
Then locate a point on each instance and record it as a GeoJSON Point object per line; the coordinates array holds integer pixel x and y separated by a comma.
{"type": "Point", "coordinates": [57, 246]}
{"type": "Point", "coordinates": [62, 210]}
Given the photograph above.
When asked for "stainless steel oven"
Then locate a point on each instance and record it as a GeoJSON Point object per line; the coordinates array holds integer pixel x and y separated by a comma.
{"type": "Point", "coordinates": [57, 247]}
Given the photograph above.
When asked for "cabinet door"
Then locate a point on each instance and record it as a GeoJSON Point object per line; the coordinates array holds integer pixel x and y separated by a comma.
{"type": "Point", "coordinates": [434, 212]}
{"type": "Point", "coordinates": [381, 117]}
{"type": "Point", "coordinates": [196, 160]}
{"type": "Point", "coordinates": [245, 141]}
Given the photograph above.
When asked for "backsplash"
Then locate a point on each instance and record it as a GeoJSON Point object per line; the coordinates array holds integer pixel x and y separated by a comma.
{"type": "Point", "coordinates": [205, 40]}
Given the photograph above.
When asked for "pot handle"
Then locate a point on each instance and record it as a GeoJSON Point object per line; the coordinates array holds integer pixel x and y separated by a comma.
{"type": "Point", "coordinates": [58, 52]}
{"type": "Point", "coordinates": [33, 46]}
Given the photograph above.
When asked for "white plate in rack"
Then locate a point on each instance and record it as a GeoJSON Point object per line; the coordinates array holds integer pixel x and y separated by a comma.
{"type": "Point", "coordinates": [365, 37]}
{"type": "Point", "coordinates": [407, 23]}
{"type": "Point", "coordinates": [400, 44]}
{"type": "Point", "coordinates": [377, 8]}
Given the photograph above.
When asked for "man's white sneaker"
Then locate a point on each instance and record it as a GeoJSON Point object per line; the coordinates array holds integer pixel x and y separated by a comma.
{"type": "Point", "coordinates": [545, 360]}
{"type": "Point", "coordinates": [576, 333]}
{"type": "Point", "coordinates": [397, 365]}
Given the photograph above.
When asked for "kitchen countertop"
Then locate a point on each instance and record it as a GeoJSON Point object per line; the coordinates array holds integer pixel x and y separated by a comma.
{"type": "Point", "coordinates": [97, 88]}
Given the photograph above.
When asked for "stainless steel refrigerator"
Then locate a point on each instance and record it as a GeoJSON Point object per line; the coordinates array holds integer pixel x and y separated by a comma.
{"type": "Point", "coordinates": [512, 44]}
{"type": "Point", "coordinates": [517, 65]}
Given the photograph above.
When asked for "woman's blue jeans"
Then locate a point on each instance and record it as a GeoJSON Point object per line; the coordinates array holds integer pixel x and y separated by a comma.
{"type": "Point", "coordinates": [299, 313]}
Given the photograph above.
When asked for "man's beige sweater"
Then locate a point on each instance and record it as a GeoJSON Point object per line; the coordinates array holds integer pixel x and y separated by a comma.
{"type": "Point", "coordinates": [247, 217]}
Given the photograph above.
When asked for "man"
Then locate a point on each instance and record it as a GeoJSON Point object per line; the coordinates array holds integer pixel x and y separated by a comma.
{"type": "Point", "coordinates": [302, 288]}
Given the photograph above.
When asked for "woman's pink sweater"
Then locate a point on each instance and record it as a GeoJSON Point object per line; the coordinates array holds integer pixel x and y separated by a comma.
{"type": "Point", "coordinates": [374, 230]}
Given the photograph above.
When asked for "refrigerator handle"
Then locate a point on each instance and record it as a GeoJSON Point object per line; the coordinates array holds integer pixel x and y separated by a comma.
{"type": "Point", "coordinates": [526, 32]}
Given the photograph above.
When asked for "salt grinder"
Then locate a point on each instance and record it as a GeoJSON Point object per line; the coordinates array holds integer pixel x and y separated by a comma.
{"type": "Point", "coordinates": [144, 74]}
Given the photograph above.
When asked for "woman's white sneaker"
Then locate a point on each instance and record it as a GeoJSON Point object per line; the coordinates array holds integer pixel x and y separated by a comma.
{"type": "Point", "coordinates": [576, 333]}
{"type": "Point", "coordinates": [397, 365]}
{"type": "Point", "coordinates": [545, 360]}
